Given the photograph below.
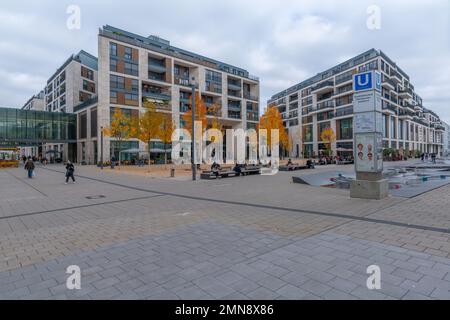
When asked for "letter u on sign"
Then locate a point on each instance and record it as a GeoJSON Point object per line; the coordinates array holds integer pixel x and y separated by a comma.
{"type": "Point", "coordinates": [363, 81]}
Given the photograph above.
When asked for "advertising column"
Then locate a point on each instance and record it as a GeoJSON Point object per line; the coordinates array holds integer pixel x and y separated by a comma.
{"type": "Point", "coordinates": [368, 137]}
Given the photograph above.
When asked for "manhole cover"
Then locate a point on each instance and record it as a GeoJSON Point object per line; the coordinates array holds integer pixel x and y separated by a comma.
{"type": "Point", "coordinates": [95, 197]}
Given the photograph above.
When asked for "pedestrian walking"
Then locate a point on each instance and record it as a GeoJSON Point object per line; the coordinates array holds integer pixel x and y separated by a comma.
{"type": "Point", "coordinates": [29, 166]}
{"type": "Point", "coordinates": [70, 169]}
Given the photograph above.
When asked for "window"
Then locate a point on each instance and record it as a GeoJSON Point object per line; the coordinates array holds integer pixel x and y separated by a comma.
{"type": "Point", "coordinates": [88, 86]}
{"type": "Point", "coordinates": [113, 65]}
{"type": "Point", "coordinates": [134, 85]}
{"type": "Point", "coordinates": [131, 68]}
{"type": "Point", "coordinates": [131, 96]}
{"type": "Point", "coordinates": [83, 96]}
{"type": "Point", "coordinates": [117, 82]}
{"type": "Point", "coordinates": [128, 53]}
{"type": "Point", "coordinates": [113, 97]}
{"type": "Point", "coordinates": [113, 49]}
{"type": "Point", "coordinates": [345, 129]}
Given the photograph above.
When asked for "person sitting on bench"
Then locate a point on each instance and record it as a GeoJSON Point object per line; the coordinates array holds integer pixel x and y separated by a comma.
{"type": "Point", "coordinates": [215, 168]}
{"type": "Point", "coordinates": [310, 164]}
{"type": "Point", "coordinates": [237, 169]}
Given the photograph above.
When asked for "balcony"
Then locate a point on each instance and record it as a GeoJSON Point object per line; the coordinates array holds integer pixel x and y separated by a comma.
{"type": "Point", "coordinates": [234, 85]}
{"type": "Point", "coordinates": [252, 116]}
{"type": "Point", "coordinates": [406, 113]}
{"type": "Point", "coordinates": [249, 96]}
{"type": "Point", "coordinates": [234, 106]}
{"type": "Point", "coordinates": [406, 93]}
{"type": "Point", "coordinates": [388, 84]}
{"type": "Point", "coordinates": [234, 93]}
{"type": "Point", "coordinates": [395, 76]}
{"type": "Point", "coordinates": [343, 111]}
{"type": "Point", "coordinates": [388, 106]}
{"type": "Point", "coordinates": [307, 110]}
{"type": "Point", "coordinates": [325, 105]}
{"type": "Point", "coordinates": [157, 66]}
{"type": "Point", "coordinates": [158, 95]}
{"type": "Point", "coordinates": [213, 88]}
{"type": "Point", "coordinates": [323, 86]}
{"type": "Point", "coordinates": [182, 81]}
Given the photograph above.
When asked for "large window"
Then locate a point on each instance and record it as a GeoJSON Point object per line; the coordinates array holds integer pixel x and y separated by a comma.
{"type": "Point", "coordinates": [113, 49]}
{"type": "Point", "coordinates": [117, 82]}
{"type": "Point", "coordinates": [307, 133]}
{"type": "Point", "coordinates": [131, 69]}
{"type": "Point", "coordinates": [128, 53]}
{"type": "Point", "coordinates": [345, 129]}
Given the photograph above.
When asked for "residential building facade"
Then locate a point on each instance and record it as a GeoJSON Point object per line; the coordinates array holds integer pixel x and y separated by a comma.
{"type": "Point", "coordinates": [133, 69]}
{"type": "Point", "coordinates": [72, 84]}
{"type": "Point", "coordinates": [326, 101]}
{"type": "Point", "coordinates": [36, 102]}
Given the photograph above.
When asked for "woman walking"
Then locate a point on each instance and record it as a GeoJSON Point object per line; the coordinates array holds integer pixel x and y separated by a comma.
{"type": "Point", "coordinates": [70, 169]}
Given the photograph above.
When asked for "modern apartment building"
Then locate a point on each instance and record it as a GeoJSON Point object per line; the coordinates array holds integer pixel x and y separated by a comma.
{"type": "Point", "coordinates": [72, 84]}
{"type": "Point", "coordinates": [446, 140]}
{"type": "Point", "coordinates": [36, 102]}
{"type": "Point", "coordinates": [325, 100]}
{"type": "Point", "coordinates": [134, 68]}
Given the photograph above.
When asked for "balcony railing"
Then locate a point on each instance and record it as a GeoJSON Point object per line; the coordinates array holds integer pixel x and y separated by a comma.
{"type": "Point", "coordinates": [156, 95]}
{"type": "Point", "coordinates": [249, 96]}
{"type": "Point", "coordinates": [325, 105]}
{"type": "Point", "coordinates": [182, 81]}
{"type": "Point", "coordinates": [388, 106]}
{"type": "Point", "coordinates": [343, 112]}
{"type": "Point", "coordinates": [234, 106]}
{"type": "Point", "coordinates": [234, 85]}
{"type": "Point", "coordinates": [324, 84]}
{"type": "Point", "coordinates": [389, 81]}
{"type": "Point", "coordinates": [233, 93]}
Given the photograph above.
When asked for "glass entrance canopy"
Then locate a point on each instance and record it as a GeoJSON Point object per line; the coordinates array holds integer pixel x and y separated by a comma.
{"type": "Point", "coordinates": [28, 127]}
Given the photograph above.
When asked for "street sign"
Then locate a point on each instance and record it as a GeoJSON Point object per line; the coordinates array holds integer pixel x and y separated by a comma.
{"type": "Point", "coordinates": [367, 81]}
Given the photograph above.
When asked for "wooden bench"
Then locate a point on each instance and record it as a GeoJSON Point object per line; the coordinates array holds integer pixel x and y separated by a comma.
{"type": "Point", "coordinates": [292, 167]}
{"type": "Point", "coordinates": [225, 173]}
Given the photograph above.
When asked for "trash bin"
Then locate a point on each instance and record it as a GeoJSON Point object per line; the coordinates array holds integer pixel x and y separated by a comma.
{"type": "Point", "coordinates": [172, 172]}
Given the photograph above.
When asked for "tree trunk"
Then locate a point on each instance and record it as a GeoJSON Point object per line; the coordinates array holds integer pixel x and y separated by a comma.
{"type": "Point", "coordinates": [165, 157]}
{"type": "Point", "coordinates": [149, 156]}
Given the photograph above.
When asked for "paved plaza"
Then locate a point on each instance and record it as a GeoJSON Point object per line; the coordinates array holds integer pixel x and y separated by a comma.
{"type": "Point", "coordinates": [254, 237]}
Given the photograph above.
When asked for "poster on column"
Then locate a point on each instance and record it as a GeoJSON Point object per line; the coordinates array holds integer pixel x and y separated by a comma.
{"type": "Point", "coordinates": [368, 152]}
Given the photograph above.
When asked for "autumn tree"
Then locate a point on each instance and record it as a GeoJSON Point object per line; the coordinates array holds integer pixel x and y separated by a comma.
{"type": "Point", "coordinates": [200, 114]}
{"type": "Point", "coordinates": [149, 126]}
{"type": "Point", "coordinates": [215, 111]}
{"type": "Point", "coordinates": [272, 120]}
{"type": "Point", "coordinates": [167, 126]}
{"type": "Point", "coordinates": [328, 137]}
{"type": "Point", "coordinates": [120, 128]}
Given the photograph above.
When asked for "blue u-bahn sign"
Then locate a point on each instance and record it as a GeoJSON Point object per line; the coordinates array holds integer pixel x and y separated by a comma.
{"type": "Point", "coordinates": [367, 81]}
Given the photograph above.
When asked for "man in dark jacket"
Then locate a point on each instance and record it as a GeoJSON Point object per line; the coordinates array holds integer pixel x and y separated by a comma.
{"type": "Point", "coordinates": [70, 169]}
{"type": "Point", "coordinates": [29, 166]}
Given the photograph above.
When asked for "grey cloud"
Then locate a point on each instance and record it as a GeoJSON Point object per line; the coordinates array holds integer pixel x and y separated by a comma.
{"type": "Point", "coordinates": [283, 42]}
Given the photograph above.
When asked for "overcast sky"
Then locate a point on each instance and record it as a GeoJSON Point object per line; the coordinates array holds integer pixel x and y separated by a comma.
{"type": "Point", "coordinates": [282, 42]}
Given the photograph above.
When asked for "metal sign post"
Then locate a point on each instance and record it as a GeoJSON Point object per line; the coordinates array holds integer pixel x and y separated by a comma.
{"type": "Point", "coordinates": [368, 137]}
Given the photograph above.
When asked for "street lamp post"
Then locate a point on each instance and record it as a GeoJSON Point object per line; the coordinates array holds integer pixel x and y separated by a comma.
{"type": "Point", "coordinates": [194, 168]}
{"type": "Point", "coordinates": [101, 148]}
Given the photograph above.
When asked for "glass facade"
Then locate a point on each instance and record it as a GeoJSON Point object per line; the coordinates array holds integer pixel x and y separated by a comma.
{"type": "Point", "coordinates": [27, 126]}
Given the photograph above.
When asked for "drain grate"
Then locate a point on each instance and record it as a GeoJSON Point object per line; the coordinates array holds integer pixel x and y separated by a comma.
{"type": "Point", "coordinates": [96, 197]}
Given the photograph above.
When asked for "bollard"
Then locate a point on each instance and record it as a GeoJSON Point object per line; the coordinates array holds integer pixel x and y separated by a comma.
{"type": "Point", "coordinates": [172, 172]}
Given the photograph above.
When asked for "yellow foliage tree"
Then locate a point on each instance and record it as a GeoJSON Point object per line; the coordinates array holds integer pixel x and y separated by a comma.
{"type": "Point", "coordinates": [328, 137]}
{"type": "Point", "coordinates": [272, 120]}
{"type": "Point", "coordinates": [200, 114]}
{"type": "Point", "coordinates": [120, 128]}
{"type": "Point", "coordinates": [148, 127]}
{"type": "Point", "coordinates": [167, 126]}
{"type": "Point", "coordinates": [216, 122]}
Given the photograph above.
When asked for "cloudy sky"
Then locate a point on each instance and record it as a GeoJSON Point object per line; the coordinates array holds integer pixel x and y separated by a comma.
{"type": "Point", "coordinates": [282, 42]}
